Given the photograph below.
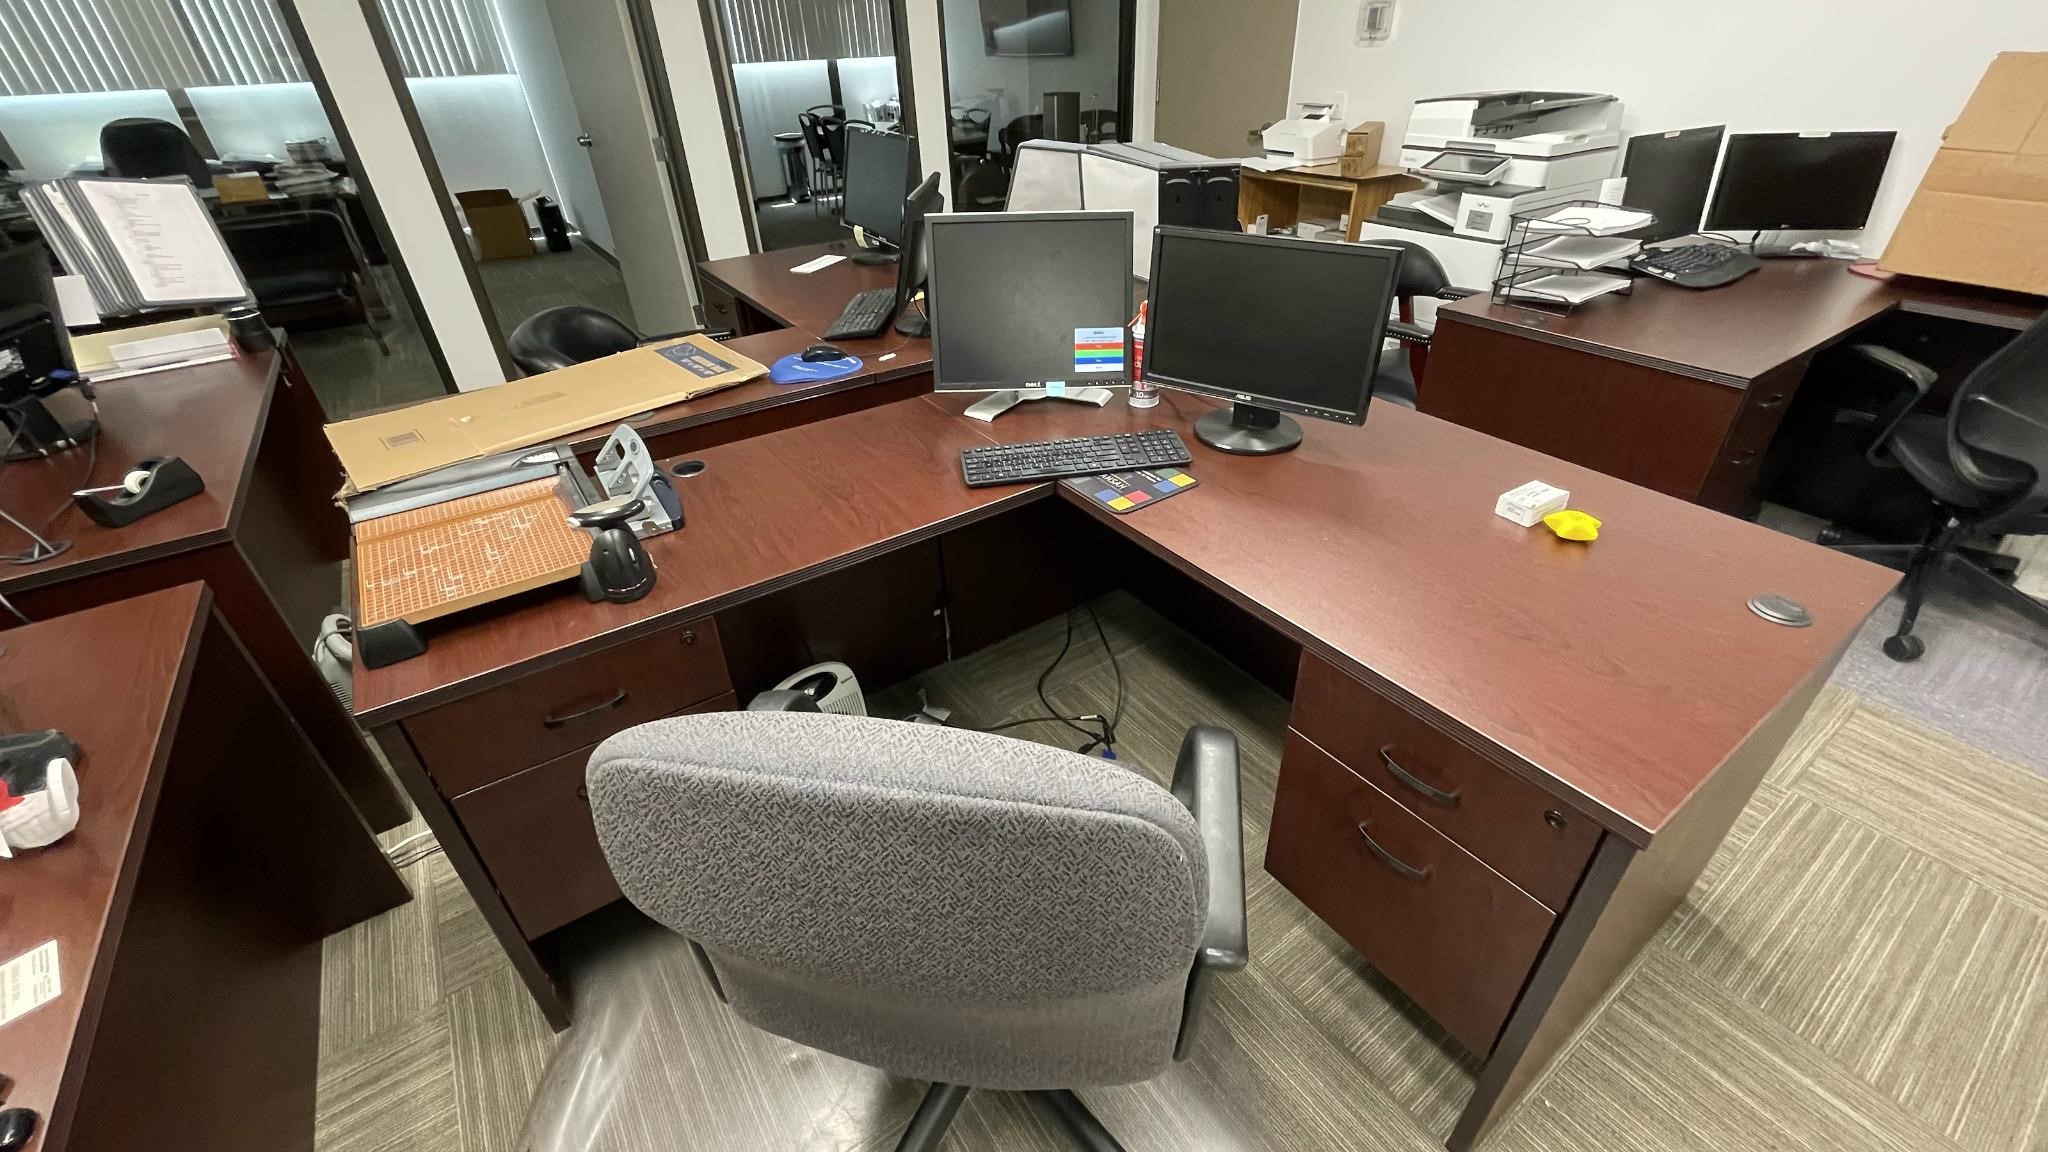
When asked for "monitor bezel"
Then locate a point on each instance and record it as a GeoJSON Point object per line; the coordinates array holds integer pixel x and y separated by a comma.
{"type": "Point", "coordinates": [935, 295]}
{"type": "Point", "coordinates": [910, 168]}
{"type": "Point", "coordinates": [1389, 257]}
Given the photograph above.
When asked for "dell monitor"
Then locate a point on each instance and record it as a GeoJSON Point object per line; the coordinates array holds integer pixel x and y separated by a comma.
{"type": "Point", "coordinates": [1271, 324]}
{"type": "Point", "coordinates": [910, 270]}
{"type": "Point", "coordinates": [1820, 181]}
{"type": "Point", "coordinates": [1668, 175]}
{"type": "Point", "coordinates": [1029, 305]}
{"type": "Point", "coordinates": [880, 169]}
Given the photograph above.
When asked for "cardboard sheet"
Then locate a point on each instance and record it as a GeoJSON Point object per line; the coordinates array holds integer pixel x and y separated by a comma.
{"type": "Point", "coordinates": [1980, 215]}
{"type": "Point", "coordinates": [386, 447]}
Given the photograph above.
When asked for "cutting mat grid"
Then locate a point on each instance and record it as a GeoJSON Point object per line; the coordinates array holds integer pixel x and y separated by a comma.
{"type": "Point", "coordinates": [432, 561]}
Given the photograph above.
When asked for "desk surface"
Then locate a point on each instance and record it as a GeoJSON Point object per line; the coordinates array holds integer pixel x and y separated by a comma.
{"type": "Point", "coordinates": [1617, 675]}
{"type": "Point", "coordinates": [1733, 335]}
{"type": "Point", "coordinates": [76, 892]}
{"type": "Point", "coordinates": [814, 300]}
{"type": "Point", "coordinates": [212, 415]}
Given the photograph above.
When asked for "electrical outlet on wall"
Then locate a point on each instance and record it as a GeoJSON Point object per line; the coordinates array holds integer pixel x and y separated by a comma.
{"type": "Point", "coordinates": [1375, 22]}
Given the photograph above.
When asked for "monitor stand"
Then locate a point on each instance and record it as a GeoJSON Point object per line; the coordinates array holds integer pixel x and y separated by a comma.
{"type": "Point", "coordinates": [879, 253]}
{"type": "Point", "coordinates": [997, 403]}
{"type": "Point", "coordinates": [1248, 430]}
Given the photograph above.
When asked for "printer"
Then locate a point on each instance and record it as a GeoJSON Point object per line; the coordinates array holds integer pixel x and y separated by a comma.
{"type": "Point", "coordinates": [1315, 133]}
{"type": "Point", "coordinates": [1487, 156]}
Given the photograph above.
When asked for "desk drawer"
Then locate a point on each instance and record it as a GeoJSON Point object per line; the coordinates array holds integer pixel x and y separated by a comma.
{"type": "Point", "coordinates": [1454, 935]}
{"type": "Point", "coordinates": [1517, 829]}
{"type": "Point", "coordinates": [534, 833]}
{"type": "Point", "coordinates": [488, 737]}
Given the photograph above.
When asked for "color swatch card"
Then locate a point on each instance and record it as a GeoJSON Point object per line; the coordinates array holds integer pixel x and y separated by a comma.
{"type": "Point", "coordinates": [1098, 350]}
{"type": "Point", "coordinates": [1122, 492]}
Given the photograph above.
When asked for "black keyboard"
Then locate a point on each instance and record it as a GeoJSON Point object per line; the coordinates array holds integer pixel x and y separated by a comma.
{"type": "Point", "coordinates": [1696, 265]}
{"type": "Point", "coordinates": [865, 315]}
{"type": "Point", "coordinates": [1080, 456]}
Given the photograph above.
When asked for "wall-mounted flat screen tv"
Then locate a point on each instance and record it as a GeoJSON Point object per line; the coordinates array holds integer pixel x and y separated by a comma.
{"type": "Point", "coordinates": [1027, 27]}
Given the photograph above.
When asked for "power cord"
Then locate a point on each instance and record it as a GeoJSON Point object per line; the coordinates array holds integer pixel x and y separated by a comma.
{"type": "Point", "coordinates": [1104, 734]}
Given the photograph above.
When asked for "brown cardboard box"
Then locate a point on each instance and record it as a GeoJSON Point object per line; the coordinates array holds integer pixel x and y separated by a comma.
{"type": "Point", "coordinates": [498, 223]}
{"type": "Point", "coordinates": [1362, 148]}
{"type": "Point", "coordinates": [1980, 215]}
{"type": "Point", "coordinates": [241, 188]}
{"type": "Point", "coordinates": [390, 446]}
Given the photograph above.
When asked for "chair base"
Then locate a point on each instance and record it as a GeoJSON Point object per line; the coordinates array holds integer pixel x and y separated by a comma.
{"type": "Point", "coordinates": [942, 1102]}
{"type": "Point", "coordinates": [1986, 572]}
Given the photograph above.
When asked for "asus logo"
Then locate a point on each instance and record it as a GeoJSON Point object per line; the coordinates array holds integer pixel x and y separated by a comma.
{"type": "Point", "coordinates": [1240, 396]}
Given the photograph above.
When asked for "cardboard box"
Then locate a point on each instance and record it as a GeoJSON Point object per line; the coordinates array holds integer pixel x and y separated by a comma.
{"type": "Point", "coordinates": [1362, 148]}
{"type": "Point", "coordinates": [498, 222]}
{"type": "Point", "coordinates": [1980, 215]}
{"type": "Point", "coordinates": [241, 188]}
{"type": "Point", "coordinates": [390, 446]}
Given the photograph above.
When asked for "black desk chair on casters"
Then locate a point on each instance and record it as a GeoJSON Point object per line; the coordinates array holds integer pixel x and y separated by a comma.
{"type": "Point", "coordinates": [144, 148]}
{"type": "Point", "coordinates": [1985, 465]}
{"type": "Point", "coordinates": [1399, 380]}
{"type": "Point", "coordinates": [571, 334]}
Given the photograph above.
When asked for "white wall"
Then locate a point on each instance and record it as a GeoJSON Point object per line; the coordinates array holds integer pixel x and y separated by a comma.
{"type": "Point", "coordinates": [866, 78]}
{"type": "Point", "coordinates": [481, 133]}
{"type": "Point", "coordinates": [1784, 64]}
{"type": "Point", "coordinates": [685, 53]}
{"type": "Point", "coordinates": [253, 121]}
{"type": "Point", "coordinates": [530, 35]}
{"type": "Point", "coordinates": [973, 74]}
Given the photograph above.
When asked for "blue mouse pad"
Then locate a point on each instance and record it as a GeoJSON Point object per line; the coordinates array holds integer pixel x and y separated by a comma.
{"type": "Point", "coordinates": [794, 369]}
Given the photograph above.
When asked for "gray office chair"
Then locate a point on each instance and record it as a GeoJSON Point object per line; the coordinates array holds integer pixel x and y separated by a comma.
{"type": "Point", "coordinates": [945, 905]}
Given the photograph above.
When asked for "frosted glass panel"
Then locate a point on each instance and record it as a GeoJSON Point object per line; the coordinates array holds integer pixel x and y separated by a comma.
{"type": "Point", "coordinates": [55, 134]}
{"type": "Point", "coordinates": [253, 121]}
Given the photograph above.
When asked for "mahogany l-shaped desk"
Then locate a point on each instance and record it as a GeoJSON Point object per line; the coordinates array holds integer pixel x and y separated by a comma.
{"type": "Point", "coordinates": [1554, 736]}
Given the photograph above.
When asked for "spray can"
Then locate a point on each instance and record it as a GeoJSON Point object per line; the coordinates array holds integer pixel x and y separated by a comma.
{"type": "Point", "coordinates": [1143, 393]}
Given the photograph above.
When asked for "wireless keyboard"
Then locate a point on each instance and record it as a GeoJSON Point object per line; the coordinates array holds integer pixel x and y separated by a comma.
{"type": "Point", "coordinates": [1080, 456]}
{"type": "Point", "coordinates": [865, 315]}
{"type": "Point", "coordinates": [1696, 265]}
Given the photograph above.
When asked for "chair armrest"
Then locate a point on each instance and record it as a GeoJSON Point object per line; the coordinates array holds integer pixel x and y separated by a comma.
{"type": "Point", "coordinates": [1205, 780]}
{"type": "Point", "coordinates": [1409, 334]}
{"type": "Point", "coordinates": [1457, 293]}
{"type": "Point", "coordinates": [1919, 377]}
{"type": "Point", "coordinates": [783, 700]}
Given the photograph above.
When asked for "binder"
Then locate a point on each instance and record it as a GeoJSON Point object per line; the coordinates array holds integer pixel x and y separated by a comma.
{"type": "Point", "coordinates": [139, 244]}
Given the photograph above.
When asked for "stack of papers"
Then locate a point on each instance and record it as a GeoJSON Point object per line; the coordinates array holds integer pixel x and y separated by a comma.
{"type": "Point", "coordinates": [140, 244]}
{"type": "Point", "coordinates": [1582, 252]}
{"type": "Point", "coordinates": [1591, 219]}
{"type": "Point", "coordinates": [1567, 287]}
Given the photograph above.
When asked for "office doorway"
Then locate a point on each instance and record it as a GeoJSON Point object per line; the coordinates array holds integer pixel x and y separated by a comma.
{"type": "Point", "coordinates": [799, 74]}
{"type": "Point", "coordinates": [1020, 70]}
{"type": "Point", "coordinates": [1223, 71]}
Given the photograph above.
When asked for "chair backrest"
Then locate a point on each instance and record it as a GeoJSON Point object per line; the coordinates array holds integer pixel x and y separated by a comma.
{"type": "Point", "coordinates": [1421, 273]}
{"type": "Point", "coordinates": [985, 187]}
{"type": "Point", "coordinates": [1017, 131]}
{"type": "Point", "coordinates": [1098, 125]}
{"type": "Point", "coordinates": [569, 334]}
{"type": "Point", "coordinates": [943, 904]}
{"type": "Point", "coordinates": [1998, 427]}
{"type": "Point", "coordinates": [289, 241]}
{"type": "Point", "coordinates": [141, 147]}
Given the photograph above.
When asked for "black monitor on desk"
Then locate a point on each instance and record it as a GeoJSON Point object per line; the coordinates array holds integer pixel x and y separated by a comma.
{"type": "Point", "coordinates": [1668, 174]}
{"type": "Point", "coordinates": [910, 269]}
{"type": "Point", "coordinates": [1820, 181]}
{"type": "Point", "coordinates": [1270, 324]}
{"type": "Point", "coordinates": [1030, 305]}
{"type": "Point", "coordinates": [880, 169]}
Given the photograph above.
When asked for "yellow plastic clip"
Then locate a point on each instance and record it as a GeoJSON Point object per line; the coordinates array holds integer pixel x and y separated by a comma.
{"type": "Point", "coordinates": [1572, 524]}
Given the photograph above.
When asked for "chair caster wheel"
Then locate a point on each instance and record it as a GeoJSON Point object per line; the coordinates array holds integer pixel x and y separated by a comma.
{"type": "Point", "coordinates": [1904, 649]}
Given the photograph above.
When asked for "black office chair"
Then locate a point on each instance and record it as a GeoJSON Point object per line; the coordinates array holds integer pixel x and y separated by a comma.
{"type": "Point", "coordinates": [1098, 125]}
{"type": "Point", "coordinates": [1985, 465]}
{"type": "Point", "coordinates": [1016, 132]}
{"type": "Point", "coordinates": [143, 148]}
{"type": "Point", "coordinates": [1399, 381]}
{"type": "Point", "coordinates": [571, 334]}
{"type": "Point", "coordinates": [301, 265]}
{"type": "Point", "coordinates": [985, 187]}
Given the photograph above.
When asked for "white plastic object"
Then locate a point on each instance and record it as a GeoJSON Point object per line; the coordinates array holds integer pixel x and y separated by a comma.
{"type": "Point", "coordinates": [843, 696]}
{"type": "Point", "coordinates": [1530, 503]}
{"type": "Point", "coordinates": [45, 817]}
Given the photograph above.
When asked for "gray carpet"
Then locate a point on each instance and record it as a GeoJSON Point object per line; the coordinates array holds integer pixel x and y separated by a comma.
{"type": "Point", "coordinates": [785, 225]}
{"type": "Point", "coordinates": [1863, 968]}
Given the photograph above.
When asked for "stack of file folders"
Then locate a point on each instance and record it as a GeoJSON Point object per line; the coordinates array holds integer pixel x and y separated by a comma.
{"type": "Point", "coordinates": [139, 244]}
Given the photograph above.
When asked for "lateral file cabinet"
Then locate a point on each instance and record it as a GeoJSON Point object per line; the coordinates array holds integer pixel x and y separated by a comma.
{"type": "Point", "coordinates": [1444, 871]}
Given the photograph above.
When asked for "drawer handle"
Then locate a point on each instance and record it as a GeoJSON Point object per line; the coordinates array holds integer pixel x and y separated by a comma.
{"type": "Point", "coordinates": [605, 705]}
{"type": "Point", "coordinates": [1400, 866]}
{"type": "Point", "coordinates": [1422, 787]}
{"type": "Point", "coordinates": [1770, 402]}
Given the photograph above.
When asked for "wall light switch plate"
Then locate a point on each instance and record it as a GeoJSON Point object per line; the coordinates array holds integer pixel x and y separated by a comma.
{"type": "Point", "coordinates": [1375, 21]}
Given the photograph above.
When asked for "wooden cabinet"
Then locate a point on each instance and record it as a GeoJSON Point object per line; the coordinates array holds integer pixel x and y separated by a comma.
{"type": "Point", "coordinates": [495, 734]}
{"type": "Point", "coordinates": [534, 832]}
{"type": "Point", "coordinates": [1515, 827]}
{"type": "Point", "coordinates": [1319, 193]}
{"type": "Point", "coordinates": [1452, 933]}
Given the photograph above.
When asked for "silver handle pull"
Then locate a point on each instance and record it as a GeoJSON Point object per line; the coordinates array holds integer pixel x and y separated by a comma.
{"type": "Point", "coordinates": [583, 140]}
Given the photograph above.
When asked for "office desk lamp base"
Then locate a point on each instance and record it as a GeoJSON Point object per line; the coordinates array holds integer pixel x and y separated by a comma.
{"type": "Point", "coordinates": [1248, 430]}
{"type": "Point", "coordinates": [997, 403]}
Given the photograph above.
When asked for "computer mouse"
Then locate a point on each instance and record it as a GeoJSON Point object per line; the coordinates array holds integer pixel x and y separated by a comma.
{"type": "Point", "coordinates": [16, 1126]}
{"type": "Point", "coordinates": [817, 352]}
